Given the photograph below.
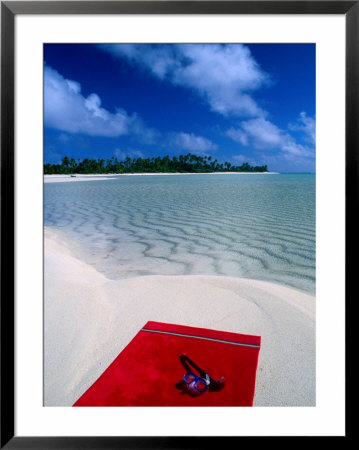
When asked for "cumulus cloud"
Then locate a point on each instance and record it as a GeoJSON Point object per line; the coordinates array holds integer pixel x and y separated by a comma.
{"type": "Point", "coordinates": [259, 132]}
{"type": "Point", "coordinates": [223, 75]}
{"type": "Point", "coordinates": [262, 134]}
{"type": "Point", "coordinates": [226, 78]}
{"type": "Point", "coordinates": [238, 135]}
{"type": "Point", "coordinates": [161, 60]}
{"type": "Point", "coordinates": [306, 125]}
{"type": "Point", "coordinates": [66, 109]}
{"type": "Point", "coordinates": [293, 149]}
{"type": "Point", "coordinates": [191, 142]}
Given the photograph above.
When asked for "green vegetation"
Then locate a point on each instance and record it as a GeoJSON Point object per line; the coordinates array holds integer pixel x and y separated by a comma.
{"type": "Point", "coordinates": [182, 164]}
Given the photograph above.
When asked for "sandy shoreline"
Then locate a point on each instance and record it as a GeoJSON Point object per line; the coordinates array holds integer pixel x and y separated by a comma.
{"type": "Point", "coordinates": [89, 319]}
{"type": "Point", "coordinates": [93, 177]}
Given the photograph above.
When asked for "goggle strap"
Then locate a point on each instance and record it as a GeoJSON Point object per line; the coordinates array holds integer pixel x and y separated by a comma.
{"type": "Point", "coordinates": [185, 360]}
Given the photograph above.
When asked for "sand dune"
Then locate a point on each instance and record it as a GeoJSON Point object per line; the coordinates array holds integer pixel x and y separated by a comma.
{"type": "Point", "coordinates": [89, 319]}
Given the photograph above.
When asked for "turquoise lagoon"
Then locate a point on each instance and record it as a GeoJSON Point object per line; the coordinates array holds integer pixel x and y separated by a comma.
{"type": "Point", "coordinates": [241, 225]}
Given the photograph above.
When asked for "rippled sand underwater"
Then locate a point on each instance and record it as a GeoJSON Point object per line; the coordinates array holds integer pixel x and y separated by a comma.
{"type": "Point", "coordinates": [252, 226]}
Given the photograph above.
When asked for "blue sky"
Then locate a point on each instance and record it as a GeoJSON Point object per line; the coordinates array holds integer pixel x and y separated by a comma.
{"type": "Point", "coordinates": [236, 102]}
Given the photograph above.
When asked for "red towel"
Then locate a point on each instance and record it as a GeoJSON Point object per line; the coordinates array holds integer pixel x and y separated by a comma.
{"type": "Point", "coordinates": [148, 370]}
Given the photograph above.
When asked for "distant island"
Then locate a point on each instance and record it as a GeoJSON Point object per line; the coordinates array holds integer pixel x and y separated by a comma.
{"type": "Point", "coordinates": [182, 164]}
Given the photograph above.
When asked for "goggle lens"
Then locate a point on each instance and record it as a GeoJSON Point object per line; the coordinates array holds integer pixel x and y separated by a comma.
{"type": "Point", "coordinates": [189, 377]}
{"type": "Point", "coordinates": [200, 385]}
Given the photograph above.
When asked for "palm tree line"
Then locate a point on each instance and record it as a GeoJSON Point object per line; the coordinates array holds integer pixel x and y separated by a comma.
{"type": "Point", "coordinates": [177, 164]}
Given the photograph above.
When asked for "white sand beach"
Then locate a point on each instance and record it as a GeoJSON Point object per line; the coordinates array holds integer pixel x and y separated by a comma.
{"type": "Point", "coordinates": [75, 178]}
{"type": "Point", "coordinates": [89, 319]}
{"type": "Point", "coordinates": [94, 177]}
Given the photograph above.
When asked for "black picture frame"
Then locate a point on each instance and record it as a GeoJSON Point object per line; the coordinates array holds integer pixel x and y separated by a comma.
{"type": "Point", "coordinates": [9, 9]}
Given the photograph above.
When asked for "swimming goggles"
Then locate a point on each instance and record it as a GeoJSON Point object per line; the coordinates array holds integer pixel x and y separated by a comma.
{"type": "Point", "coordinates": [197, 385]}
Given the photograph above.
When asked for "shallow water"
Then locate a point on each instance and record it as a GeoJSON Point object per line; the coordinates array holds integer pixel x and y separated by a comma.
{"type": "Point", "coordinates": [252, 226]}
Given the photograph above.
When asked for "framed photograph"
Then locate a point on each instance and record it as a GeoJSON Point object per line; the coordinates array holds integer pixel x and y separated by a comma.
{"type": "Point", "coordinates": [176, 186]}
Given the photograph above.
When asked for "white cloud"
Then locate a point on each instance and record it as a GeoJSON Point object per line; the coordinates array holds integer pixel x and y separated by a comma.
{"type": "Point", "coordinates": [161, 60]}
{"type": "Point", "coordinates": [306, 125]}
{"type": "Point", "coordinates": [238, 136]}
{"type": "Point", "coordinates": [259, 132]}
{"type": "Point", "coordinates": [66, 109]}
{"type": "Point", "coordinates": [294, 149]}
{"type": "Point", "coordinates": [264, 135]}
{"type": "Point", "coordinates": [223, 75]}
{"type": "Point", "coordinates": [191, 142]}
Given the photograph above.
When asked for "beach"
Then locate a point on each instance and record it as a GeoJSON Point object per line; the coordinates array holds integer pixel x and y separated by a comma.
{"type": "Point", "coordinates": [93, 177]}
{"type": "Point", "coordinates": [179, 187]}
{"type": "Point", "coordinates": [89, 319]}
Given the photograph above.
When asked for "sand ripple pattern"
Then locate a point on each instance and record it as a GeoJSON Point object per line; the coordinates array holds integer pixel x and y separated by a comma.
{"type": "Point", "coordinates": [252, 226]}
